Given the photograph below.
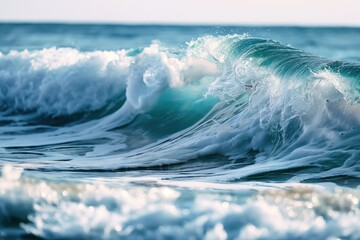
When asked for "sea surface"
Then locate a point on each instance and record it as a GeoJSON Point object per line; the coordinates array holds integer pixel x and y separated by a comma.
{"type": "Point", "coordinates": [179, 132]}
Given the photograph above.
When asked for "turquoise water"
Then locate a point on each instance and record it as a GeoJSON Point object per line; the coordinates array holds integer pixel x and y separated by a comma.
{"type": "Point", "coordinates": [179, 132]}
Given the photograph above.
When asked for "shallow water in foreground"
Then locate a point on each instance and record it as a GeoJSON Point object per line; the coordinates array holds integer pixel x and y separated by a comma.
{"type": "Point", "coordinates": [171, 132]}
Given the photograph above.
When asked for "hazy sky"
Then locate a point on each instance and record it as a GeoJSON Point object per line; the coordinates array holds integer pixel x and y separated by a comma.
{"type": "Point", "coordinates": [294, 12]}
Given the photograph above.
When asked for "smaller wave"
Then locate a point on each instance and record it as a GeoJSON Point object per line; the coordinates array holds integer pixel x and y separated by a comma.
{"type": "Point", "coordinates": [61, 82]}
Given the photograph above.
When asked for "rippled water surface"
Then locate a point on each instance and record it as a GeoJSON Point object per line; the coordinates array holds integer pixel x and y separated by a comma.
{"type": "Point", "coordinates": [179, 132]}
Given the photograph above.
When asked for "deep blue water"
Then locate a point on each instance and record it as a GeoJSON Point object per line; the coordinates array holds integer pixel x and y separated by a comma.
{"type": "Point", "coordinates": [179, 132]}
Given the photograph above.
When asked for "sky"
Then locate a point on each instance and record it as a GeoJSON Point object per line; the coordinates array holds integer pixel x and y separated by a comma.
{"type": "Point", "coordinates": [245, 12]}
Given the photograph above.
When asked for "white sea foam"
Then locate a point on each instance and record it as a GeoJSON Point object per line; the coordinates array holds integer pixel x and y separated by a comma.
{"type": "Point", "coordinates": [73, 210]}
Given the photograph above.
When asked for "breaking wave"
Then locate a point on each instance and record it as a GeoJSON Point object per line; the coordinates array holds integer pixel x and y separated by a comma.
{"type": "Point", "coordinates": [251, 109]}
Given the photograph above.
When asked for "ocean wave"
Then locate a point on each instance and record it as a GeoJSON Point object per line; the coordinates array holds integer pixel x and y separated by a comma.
{"type": "Point", "coordinates": [265, 110]}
